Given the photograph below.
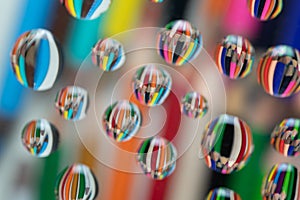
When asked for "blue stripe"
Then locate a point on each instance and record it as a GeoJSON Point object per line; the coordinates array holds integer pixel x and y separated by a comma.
{"type": "Point", "coordinates": [278, 76]}
{"type": "Point", "coordinates": [42, 63]}
{"type": "Point", "coordinates": [12, 95]}
{"type": "Point", "coordinates": [288, 25]}
{"type": "Point", "coordinates": [110, 60]}
{"type": "Point", "coordinates": [44, 146]}
{"type": "Point", "coordinates": [93, 8]}
{"type": "Point", "coordinates": [256, 6]}
{"type": "Point", "coordinates": [223, 56]}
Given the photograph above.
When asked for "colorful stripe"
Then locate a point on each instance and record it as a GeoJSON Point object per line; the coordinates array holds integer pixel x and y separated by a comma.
{"type": "Point", "coordinates": [282, 182]}
{"type": "Point", "coordinates": [285, 137]}
{"type": "Point", "coordinates": [226, 144]}
{"type": "Point", "coordinates": [235, 56]}
{"type": "Point", "coordinates": [86, 9]}
{"type": "Point", "coordinates": [40, 137]}
{"type": "Point", "coordinates": [76, 182]}
{"type": "Point", "coordinates": [157, 1]}
{"type": "Point", "coordinates": [222, 194]}
{"type": "Point", "coordinates": [179, 42]}
{"type": "Point", "coordinates": [194, 105]}
{"type": "Point", "coordinates": [36, 59]}
{"type": "Point", "coordinates": [265, 9]}
{"type": "Point", "coordinates": [72, 102]}
{"type": "Point", "coordinates": [152, 84]}
{"type": "Point", "coordinates": [157, 157]}
{"type": "Point", "coordinates": [122, 120]}
{"type": "Point", "coordinates": [279, 71]}
{"type": "Point", "coordinates": [108, 54]}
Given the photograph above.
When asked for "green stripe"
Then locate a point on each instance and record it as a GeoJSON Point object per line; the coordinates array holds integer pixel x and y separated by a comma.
{"type": "Point", "coordinates": [219, 132]}
{"type": "Point", "coordinates": [220, 192]}
{"type": "Point", "coordinates": [296, 127]}
{"type": "Point", "coordinates": [49, 179]}
{"type": "Point", "coordinates": [38, 128]}
{"type": "Point", "coordinates": [286, 181]}
{"type": "Point", "coordinates": [290, 185]}
{"type": "Point", "coordinates": [142, 152]}
{"type": "Point", "coordinates": [82, 184]}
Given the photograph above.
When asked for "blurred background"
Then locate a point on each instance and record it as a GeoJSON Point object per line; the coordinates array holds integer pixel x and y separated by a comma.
{"type": "Point", "coordinates": [26, 177]}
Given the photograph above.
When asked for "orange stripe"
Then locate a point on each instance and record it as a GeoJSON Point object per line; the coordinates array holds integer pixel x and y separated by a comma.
{"type": "Point", "coordinates": [74, 186]}
{"type": "Point", "coordinates": [121, 182]}
{"type": "Point", "coordinates": [162, 158]}
{"type": "Point", "coordinates": [62, 97]}
{"type": "Point", "coordinates": [68, 184]}
{"type": "Point", "coordinates": [269, 12]}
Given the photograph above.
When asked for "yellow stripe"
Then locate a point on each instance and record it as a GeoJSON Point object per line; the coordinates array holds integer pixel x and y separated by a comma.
{"type": "Point", "coordinates": [104, 64]}
{"type": "Point", "coordinates": [17, 68]}
{"type": "Point", "coordinates": [31, 151]}
{"type": "Point", "coordinates": [154, 98]}
{"type": "Point", "coordinates": [123, 15]}
{"type": "Point", "coordinates": [272, 172]}
{"type": "Point", "coordinates": [71, 8]}
{"type": "Point", "coordinates": [66, 114]}
{"type": "Point", "coordinates": [186, 55]}
{"type": "Point", "coordinates": [248, 68]}
{"type": "Point", "coordinates": [278, 9]}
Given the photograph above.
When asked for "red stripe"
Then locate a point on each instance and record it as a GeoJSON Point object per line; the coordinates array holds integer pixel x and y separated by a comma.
{"type": "Point", "coordinates": [244, 142]}
{"type": "Point", "coordinates": [265, 71]}
{"type": "Point", "coordinates": [160, 188]}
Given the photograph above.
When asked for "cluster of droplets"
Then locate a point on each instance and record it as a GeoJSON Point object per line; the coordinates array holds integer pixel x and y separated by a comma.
{"type": "Point", "coordinates": [278, 72]}
{"type": "Point", "coordinates": [37, 62]}
{"type": "Point", "coordinates": [226, 144]}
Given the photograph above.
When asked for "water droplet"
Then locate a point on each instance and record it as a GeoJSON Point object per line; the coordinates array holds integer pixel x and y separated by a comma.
{"type": "Point", "coordinates": [235, 57]}
{"type": "Point", "coordinates": [86, 9]}
{"type": "Point", "coordinates": [265, 10]}
{"type": "Point", "coordinates": [108, 54]}
{"type": "Point", "coordinates": [278, 71]}
{"type": "Point", "coordinates": [179, 42]}
{"type": "Point", "coordinates": [40, 137]}
{"type": "Point", "coordinates": [122, 120]}
{"type": "Point", "coordinates": [76, 182]}
{"type": "Point", "coordinates": [285, 137]}
{"type": "Point", "coordinates": [72, 102]}
{"type": "Point", "coordinates": [282, 182]}
{"type": "Point", "coordinates": [157, 157]}
{"type": "Point", "coordinates": [222, 193]}
{"type": "Point", "coordinates": [226, 144]}
{"type": "Point", "coordinates": [157, 1]}
{"type": "Point", "coordinates": [36, 59]}
{"type": "Point", "coordinates": [151, 84]}
{"type": "Point", "coordinates": [194, 105]}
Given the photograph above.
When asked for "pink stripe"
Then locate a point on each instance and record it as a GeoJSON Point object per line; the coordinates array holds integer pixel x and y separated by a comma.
{"type": "Point", "coordinates": [232, 69]}
{"type": "Point", "coordinates": [166, 51]}
{"type": "Point", "coordinates": [264, 13]}
{"type": "Point", "coordinates": [140, 96]}
{"type": "Point", "coordinates": [238, 20]}
{"type": "Point", "coordinates": [289, 88]}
